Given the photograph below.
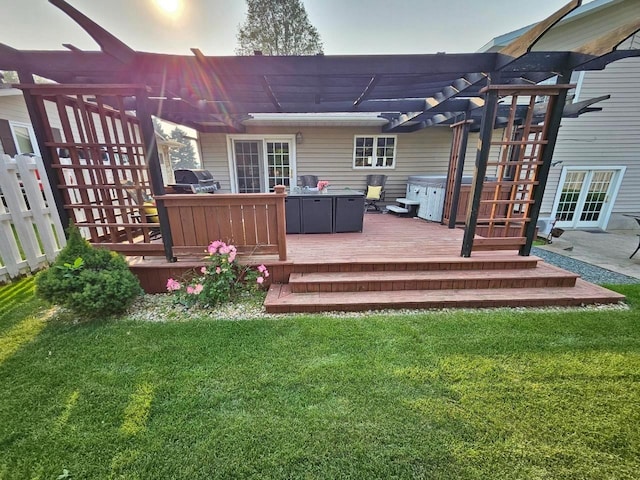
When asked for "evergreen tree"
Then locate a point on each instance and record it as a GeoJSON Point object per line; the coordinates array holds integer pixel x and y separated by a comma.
{"type": "Point", "coordinates": [185, 156]}
{"type": "Point", "coordinates": [157, 126]}
{"type": "Point", "coordinates": [278, 27]}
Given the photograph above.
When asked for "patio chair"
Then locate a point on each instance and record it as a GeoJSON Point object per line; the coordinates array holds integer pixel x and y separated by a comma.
{"type": "Point", "coordinates": [375, 192]}
{"type": "Point", "coordinates": [148, 208]}
{"type": "Point", "coordinates": [308, 181]}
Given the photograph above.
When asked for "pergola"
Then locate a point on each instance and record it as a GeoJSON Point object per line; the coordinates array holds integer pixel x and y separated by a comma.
{"type": "Point", "coordinates": [412, 92]}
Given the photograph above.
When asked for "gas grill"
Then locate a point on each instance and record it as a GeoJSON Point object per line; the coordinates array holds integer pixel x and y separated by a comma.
{"type": "Point", "coordinates": [194, 181]}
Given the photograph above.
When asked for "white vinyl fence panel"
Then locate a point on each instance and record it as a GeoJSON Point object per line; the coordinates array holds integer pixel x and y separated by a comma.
{"type": "Point", "coordinates": [31, 234]}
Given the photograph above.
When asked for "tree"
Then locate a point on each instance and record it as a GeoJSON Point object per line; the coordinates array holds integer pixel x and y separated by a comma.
{"type": "Point", "coordinates": [185, 156]}
{"type": "Point", "coordinates": [278, 27]}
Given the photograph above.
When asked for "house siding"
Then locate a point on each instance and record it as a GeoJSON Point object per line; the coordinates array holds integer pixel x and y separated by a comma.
{"type": "Point", "coordinates": [328, 153]}
{"type": "Point", "coordinates": [607, 138]}
{"type": "Point", "coordinates": [14, 109]}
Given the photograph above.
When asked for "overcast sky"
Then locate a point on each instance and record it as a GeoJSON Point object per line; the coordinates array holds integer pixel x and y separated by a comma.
{"type": "Point", "coordinates": [346, 26]}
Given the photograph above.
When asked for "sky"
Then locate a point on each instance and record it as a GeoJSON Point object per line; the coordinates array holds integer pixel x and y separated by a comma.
{"type": "Point", "coordinates": [347, 27]}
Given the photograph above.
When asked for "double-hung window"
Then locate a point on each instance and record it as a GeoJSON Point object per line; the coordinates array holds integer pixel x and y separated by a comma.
{"type": "Point", "coordinates": [374, 151]}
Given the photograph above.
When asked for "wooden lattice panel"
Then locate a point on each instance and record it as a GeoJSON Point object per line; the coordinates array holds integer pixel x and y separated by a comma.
{"type": "Point", "coordinates": [504, 209]}
{"type": "Point", "coordinates": [100, 158]}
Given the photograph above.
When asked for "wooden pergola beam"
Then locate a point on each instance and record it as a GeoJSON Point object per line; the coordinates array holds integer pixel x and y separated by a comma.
{"type": "Point", "coordinates": [108, 42]}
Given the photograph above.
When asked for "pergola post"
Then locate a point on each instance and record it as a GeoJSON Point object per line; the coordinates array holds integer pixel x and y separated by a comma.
{"type": "Point", "coordinates": [458, 153]}
{"type": "Point", "coordinates": [482, 156]}
{"type": "Point", "coordinates": [38, 124]}
{"type": "Point", "coordinates": [555, 109]}
{"type": "Point", "coordinates": [143, 113]}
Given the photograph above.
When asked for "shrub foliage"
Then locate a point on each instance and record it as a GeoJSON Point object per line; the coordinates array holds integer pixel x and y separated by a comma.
{"type": "Point", "coordinates": [89, 281]}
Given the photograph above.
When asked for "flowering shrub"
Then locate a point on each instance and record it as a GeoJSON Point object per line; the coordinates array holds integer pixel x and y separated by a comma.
{"type": "Point", "coordinates": [221, 280]}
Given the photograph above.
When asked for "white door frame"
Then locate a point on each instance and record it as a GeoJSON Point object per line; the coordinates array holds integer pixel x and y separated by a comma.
{"type": "Point", "coordinates": [607, 208]}
{"type": "Point", "coordinates": [233, 172]}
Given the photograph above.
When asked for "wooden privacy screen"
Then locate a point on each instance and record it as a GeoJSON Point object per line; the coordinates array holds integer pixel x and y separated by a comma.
{"type": "Point", "coordinates": [502, 211]}
{"type": "Point", "coordinates": [253, 222]}
{"type": "Point", "coordinates": [100, 161]}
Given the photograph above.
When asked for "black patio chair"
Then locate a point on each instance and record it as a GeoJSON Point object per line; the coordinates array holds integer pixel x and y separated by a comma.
{"type": "Point", "coordinates": [375, 192]}
{"type": "Point", "coordinates": [310, 181]}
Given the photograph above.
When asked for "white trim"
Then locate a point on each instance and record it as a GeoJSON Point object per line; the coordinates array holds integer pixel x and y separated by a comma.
{"type": "Point", "coordinates": [337, 119]}
{"type": "Point", "coordinates": [579, 84]}
{"type": "Point", "coordinates": [614, 188]}
{"type": "Point", "coordinates": [233, 176]}
{"type": "Point", "coordinates": [375, 147]}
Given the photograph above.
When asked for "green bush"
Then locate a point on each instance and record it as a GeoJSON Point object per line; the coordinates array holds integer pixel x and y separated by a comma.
{"type": "Point", "coordinates": [89, 281]}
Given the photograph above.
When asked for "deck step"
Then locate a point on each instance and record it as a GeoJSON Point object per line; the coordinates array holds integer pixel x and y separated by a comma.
{"type": "Point", "coordinates": [400, 263]}
{"type": "Point", "coordinates": [543, 276]}
{"type": "Point", "coordinates": [280, 298]}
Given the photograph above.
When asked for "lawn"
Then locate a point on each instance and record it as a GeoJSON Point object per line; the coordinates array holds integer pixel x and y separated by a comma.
{"type": "Point", "coordinates": [445, 395]}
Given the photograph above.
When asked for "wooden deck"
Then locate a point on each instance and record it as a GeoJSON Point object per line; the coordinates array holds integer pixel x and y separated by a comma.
{"type": "Point", "coordinates": [398, 263]}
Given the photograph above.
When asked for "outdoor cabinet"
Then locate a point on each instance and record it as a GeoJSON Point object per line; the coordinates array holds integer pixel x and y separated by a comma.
{"type": "Point", "coordinates": [293, 214]}
{"type": "Point", "coordinates": [348, 214]}
{"type": "Point", "coordinates": [317, 214]}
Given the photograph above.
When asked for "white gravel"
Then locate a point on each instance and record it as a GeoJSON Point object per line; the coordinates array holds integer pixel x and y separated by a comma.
{"type": "Point", "coordinates": [162, 308]}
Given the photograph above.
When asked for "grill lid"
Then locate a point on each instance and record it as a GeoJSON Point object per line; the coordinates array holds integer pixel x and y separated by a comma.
{"type": "Point", "coordinates": [193, 176]}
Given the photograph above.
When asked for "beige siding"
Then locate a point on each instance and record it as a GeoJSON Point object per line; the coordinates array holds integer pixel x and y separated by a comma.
{"type": "Point", "coordinates": [328, 153]}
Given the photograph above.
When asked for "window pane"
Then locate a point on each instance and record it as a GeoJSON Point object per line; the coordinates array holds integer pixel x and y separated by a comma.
{"type": "Point", "coordinates": [24, 139]}
{"type": "Point", "coordinates": [374, 152]}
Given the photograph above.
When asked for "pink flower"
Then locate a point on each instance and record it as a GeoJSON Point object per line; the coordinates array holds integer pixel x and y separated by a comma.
{"type": "Point", "coordinates": [173, 285]}
{"type": "Point", "coordinates": [260, 280]}
{"type": "Point", "coordinates": [218, 270]}
{"type": "Point", "coordinates": [190, 290]}
{"type": "Point", "coordinates": [263, 270]}
{"type": "Point", "coordinates": [198, 288]}
{"type": "Point", "coordinates": [224, 249]}
{"type": "Point", "coordinates": [232, 256]}
{"type": "Point", "coordinates": [203, 270]}
{"type": "Point", "coordinates": [213, 247]}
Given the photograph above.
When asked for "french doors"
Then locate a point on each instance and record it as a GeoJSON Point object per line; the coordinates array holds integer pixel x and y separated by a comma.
{"type": "Point", "coordinates": [259, 164]}
{"type": "Point", "coordinates": [586, 196]}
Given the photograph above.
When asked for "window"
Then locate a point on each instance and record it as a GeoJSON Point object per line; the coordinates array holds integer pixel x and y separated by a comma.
{"type": "Point", "coordinates": [374, 152]}
{"type": "Point", "coordinates": [24, 138]}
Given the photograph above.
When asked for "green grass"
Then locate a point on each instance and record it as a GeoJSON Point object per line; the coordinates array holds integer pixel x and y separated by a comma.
{"type": "Point", "coordinates": [459, 395]}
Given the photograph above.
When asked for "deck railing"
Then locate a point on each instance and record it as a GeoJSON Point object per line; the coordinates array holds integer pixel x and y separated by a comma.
{"type": "Point", "coordinates": [253, 222]}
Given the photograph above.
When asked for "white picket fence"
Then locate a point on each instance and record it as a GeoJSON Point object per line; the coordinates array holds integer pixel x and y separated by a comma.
{"type": "Point", "coordinates": [31, 234]}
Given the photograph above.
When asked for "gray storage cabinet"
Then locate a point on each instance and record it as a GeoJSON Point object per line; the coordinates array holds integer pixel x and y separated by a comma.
{"type": "Point", "coordinates": [348, 214]}
{"type": "Point", "coordinates": [293, 214]}
{"type": "Point", "coordinates": [317, 214]}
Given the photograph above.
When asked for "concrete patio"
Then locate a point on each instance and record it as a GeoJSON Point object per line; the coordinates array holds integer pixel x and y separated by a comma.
{"type": "Point", "coordinates": [608, 250]}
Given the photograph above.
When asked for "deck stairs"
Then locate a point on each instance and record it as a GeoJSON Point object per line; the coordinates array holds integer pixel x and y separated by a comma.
{"type": "Point", "coordinates": [435, 283]}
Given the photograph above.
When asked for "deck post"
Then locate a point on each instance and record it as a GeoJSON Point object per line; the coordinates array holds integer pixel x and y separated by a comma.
{"type": "Point", "coordinates": [38, 123]}
{"type": "Point", "coordinates": [143, 113]}
{"type": "Point", "coordinates": [461, 130]}
{"type": "Point", "coordinates": [556, 107]}
{"type": "Point", "coordinates": [282, 222]}
{"type": "Point", "coordinates": [482, 156]}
